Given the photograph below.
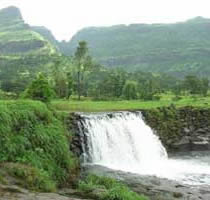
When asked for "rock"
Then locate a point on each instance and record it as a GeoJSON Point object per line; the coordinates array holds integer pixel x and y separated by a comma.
{"type": "Point", "coordinates": [153, 187]}
{"type": "Point", "coordinates": [96, 193]}
{"type": "Point", "coordinates": [68, 192]}
{"type": "Point", "coordinates": [184, 141]}
{"type": "Point", "coordinates": [34, 196]}
{"type": "Point", "coordinates": [187, 129]}
{"type": "Point", "coordinates": [16, 193]}
{"type": "Point", "coordinates": [183, 145]}
{"type": "Point", "coordinates": [201, 130]}
{"type": "Point", "coordinates": [12, 189]}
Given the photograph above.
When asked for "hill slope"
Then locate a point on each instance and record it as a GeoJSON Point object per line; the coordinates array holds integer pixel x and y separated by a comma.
{"type": "Point", "coordinates": [175, 48]}
{"type": "Point", "coordinates": [47, 34]}
{"type": "Point", "coordinates": [22, 50]}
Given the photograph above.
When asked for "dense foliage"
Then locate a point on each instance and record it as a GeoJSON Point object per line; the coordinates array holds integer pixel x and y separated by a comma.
{"type": "Point", "coordinates": [40, 89]}
{"type": "Point", "coordinates": [31, 135]}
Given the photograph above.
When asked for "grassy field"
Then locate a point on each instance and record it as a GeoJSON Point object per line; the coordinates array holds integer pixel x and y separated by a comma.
{"type": "Point", "coordinates": [97, 106]}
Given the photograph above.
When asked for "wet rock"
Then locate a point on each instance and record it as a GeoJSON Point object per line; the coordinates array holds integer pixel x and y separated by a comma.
{"type": "Point", "coordinates": [153, 187]}
{"type": "Point", "coordinates": [186, 130]}
{"type": "Point", "coordinates": [181, 129]}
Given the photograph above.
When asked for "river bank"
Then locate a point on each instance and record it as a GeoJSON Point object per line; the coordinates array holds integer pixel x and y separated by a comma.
{"type": "Point", "coordinates": [41, 150]}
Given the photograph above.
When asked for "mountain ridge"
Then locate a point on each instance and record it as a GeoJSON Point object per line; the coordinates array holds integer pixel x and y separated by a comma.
{"type": "Point", "coordinates": [176, 48]}
{"type": "Point", "coordinates": [23, 51]}
{"type": "Point", "coordinates": [172, 48]}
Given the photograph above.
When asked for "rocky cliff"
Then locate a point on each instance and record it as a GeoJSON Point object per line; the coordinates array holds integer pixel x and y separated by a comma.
{"type": "Point", "coordinates": [180, 129]}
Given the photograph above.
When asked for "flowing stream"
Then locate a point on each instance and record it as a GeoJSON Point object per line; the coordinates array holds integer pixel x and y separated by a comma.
{"type": "Point", "coordinates": [123, 141]}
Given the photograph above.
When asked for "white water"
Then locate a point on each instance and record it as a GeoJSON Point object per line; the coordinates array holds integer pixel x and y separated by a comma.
{"type": "Point", "coordinates": [123, 141]}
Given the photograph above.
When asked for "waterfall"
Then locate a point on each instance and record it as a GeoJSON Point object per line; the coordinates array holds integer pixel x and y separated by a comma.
{"type": "Point", "coordinates": [121, 140]}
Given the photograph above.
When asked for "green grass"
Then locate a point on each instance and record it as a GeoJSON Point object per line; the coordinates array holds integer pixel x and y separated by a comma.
{"type": "Point", "coordinates": [108, 189]}
{"type": "Point", "coordinates": [32, 135]}
{"type": "Point", "coordinates": [29, 177]}
{"type": "Point", "coordinates": [100, 106]}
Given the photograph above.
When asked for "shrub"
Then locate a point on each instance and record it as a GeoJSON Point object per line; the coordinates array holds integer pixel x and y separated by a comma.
{"type": "Point", "coordinates": [39, 90]}
{"type": "Point", "coordinates": [113, 190]}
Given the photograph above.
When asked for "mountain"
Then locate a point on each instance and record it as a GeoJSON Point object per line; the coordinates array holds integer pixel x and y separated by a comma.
{"type": "Point", "coordinates": [47, 34]}
{"type": "Point", "coordinates": [179, 48]}
{"type": "Point", "coordinates": [23, 51]}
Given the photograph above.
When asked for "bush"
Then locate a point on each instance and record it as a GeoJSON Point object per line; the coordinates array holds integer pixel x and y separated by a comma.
{"type": "Point", "coordinates": [32, 135]}
{"type": "Point", "coordinates": [112, 189]}
{"type": "Point", "coordinates": [39, 90]}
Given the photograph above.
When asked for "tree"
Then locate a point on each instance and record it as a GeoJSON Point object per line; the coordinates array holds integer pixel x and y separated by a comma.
{"type": "Point", "coordinates": [192, 84]}
{"type": "Point", "coordinates": [59, 79]}
{"type": "Point", "coordinates": [177, 88]}
{"type": "Point", "coordinates": [149, 89]}
{"type": "Point", "coordinates": [204, 86]}
{"type": "Point", "coordinates": [130, 90]}
{"type": "Point", "coordinates": [39, 89]}
{"type": "Point", "coordinates": [81, 56]}
{"type": "Point", "coordinates": [70, 84]}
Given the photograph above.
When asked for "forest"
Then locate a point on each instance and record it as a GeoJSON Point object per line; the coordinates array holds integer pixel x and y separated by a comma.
{"type": "Point", "coordinates": [79, 77]}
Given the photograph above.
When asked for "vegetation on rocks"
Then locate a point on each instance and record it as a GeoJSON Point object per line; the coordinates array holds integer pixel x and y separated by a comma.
{"type": "Point", "coordinates": [105, 188]}
{"type": "Point", "coordinates": [166, 122]}
{"type": "Point", "coordinates": [180, 129]}
{"type": "Point", "coordinates": [27, 177]}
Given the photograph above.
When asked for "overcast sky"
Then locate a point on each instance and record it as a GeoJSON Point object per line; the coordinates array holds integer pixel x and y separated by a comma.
{"type": "Point", "coordinates": [65, 17]}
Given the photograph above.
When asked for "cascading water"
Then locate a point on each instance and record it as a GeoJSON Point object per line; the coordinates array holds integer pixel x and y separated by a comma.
{"type": "Point", "coordinates": [123, 141]}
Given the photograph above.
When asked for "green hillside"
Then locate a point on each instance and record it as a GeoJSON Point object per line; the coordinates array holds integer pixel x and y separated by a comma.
{"type": "Point", "coordinates": [47, 34]}
{"type": "Point", "coordinates": [22, 50]}
{"type": "Point", "coordinates": [175, 48]}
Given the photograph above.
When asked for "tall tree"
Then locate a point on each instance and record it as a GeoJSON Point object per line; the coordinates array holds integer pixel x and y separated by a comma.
{"type": "Point", "coordinates": [81, 56]}
{"type": "Point", "coordinates": [60, 81]}
{"type": "Point", "coordinates": [192, 84]}
{"type": "Point", "coordinates": [70, 84]}
{"type": "Point", "coordinates": [130, 90]}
